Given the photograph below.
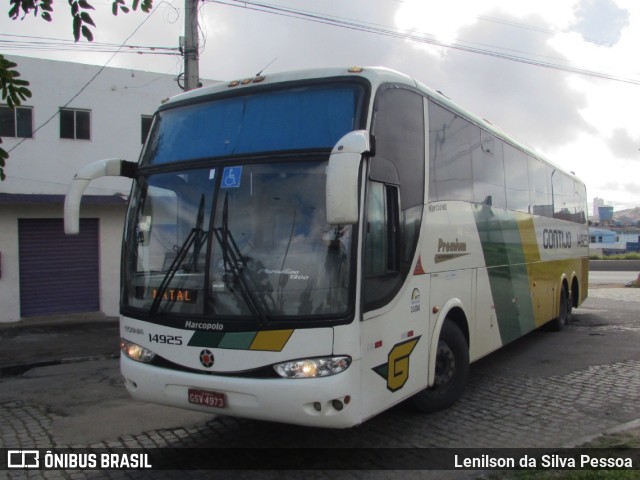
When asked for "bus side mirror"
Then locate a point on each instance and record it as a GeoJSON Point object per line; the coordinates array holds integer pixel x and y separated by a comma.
{"type": "Point", "coordinates": [112, 167]}
{"type": "Point", "coordinates": [342, 177]}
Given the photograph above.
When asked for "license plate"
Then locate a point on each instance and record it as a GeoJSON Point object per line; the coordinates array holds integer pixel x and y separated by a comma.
{"type": "Point", "coordinates": [207, 398]}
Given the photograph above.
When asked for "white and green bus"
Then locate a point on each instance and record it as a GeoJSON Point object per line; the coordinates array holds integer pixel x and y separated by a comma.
{"type": "Point", "coordinates": [315, 247]}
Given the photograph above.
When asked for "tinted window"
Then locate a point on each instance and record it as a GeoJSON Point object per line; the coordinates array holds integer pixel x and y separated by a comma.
{"type": "Point", "coordinates": [399, 134]}
{"type": "Point", "coordinates": [516, 173]}
{"type": "Point", "coordinates": [488, 170]}
{"type": "Point", "coordinates": [568, 198]}
{"type": "Point", "coordinates": [450, 146]}
{"type": "Point", "coordinates": [295, 119]}
{"type": "Point", "coordinates": [540, 187]}
{"type": "Point", "coordinates": [145, 126]}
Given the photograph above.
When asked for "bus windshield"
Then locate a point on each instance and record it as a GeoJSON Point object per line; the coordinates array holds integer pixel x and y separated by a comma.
{"type": "Point", "coordinates": [236, 241]}
{"type": "Point", "coordinates": [227, 217]}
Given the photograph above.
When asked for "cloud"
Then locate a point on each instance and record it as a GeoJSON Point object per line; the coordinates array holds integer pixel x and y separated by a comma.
{"type": "Point", "coordinates": [601, 21]}
{"type": "Point", "coordinates": [537, 105]}
{"type": "Point", "coordinates": [623, 145]}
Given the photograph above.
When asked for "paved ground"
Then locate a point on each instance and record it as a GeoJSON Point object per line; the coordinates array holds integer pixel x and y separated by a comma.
{"type": "Point", "coordinates": [545, 390]}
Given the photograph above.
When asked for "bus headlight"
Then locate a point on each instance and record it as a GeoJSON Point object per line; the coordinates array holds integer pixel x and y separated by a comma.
{"type": "Point", "coordinates": [136, 352]}
{"type": "Point", "coordinates": [313, 367]}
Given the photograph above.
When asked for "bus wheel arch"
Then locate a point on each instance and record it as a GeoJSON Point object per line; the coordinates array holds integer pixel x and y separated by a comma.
{"type": "Point", "coordinates": [448, 366]}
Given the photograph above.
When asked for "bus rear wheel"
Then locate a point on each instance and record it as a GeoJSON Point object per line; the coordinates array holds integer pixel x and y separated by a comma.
{"type": "Point", "coordinates": [564, 312]}
{"type": "Point", "coordinates": [452, 370]}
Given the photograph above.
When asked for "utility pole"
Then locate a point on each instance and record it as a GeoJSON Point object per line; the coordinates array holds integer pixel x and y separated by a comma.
{"type": "Point", "coordinates": [190, 49]}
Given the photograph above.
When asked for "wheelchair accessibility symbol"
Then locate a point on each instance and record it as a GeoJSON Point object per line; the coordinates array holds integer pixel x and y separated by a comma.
{"type": "Point", "coordinates": [231, 177]}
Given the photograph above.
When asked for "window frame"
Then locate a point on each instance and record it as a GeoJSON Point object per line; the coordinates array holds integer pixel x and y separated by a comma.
{"type": "Point", "coordinates": [16, 121]}
{"type": "Point", "coordinates": [75, 127]}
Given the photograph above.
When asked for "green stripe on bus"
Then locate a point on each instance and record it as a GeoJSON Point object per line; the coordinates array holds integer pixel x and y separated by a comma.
{"type": "Point", "coordinates": [504, 255]}
{"type": "Point", "coordinates": [206, 339]}
{"type": "Point", "coordinates": [237, 340]}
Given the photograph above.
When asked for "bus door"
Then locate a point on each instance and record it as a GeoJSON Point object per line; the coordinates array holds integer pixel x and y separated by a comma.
{"type": "Point", "coordinates": [394, 288]}
{"type": "Point", "coordinates": [395, 324]}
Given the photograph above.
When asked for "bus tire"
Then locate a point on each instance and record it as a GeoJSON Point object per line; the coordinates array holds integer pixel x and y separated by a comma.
{"type": "Point", "coordinates": [452, 370]}
{"type": "Point", "coordinates": [564, 312]}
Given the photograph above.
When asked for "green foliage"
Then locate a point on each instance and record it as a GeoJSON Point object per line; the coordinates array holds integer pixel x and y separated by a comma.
{"type": "Point", "coordinates": [12, 88]}
{"type": "Point", "coordinates": [79, 9]}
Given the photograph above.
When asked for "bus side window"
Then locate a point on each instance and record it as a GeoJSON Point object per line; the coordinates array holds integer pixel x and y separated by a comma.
{"type": "Point", "coordinates": [381, 243]}
{"type": "Point", "coordinates": [381, 253]}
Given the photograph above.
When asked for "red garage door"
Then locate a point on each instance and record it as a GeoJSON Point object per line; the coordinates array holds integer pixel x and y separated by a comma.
{"type": "Point", "coordinates": [58, 273]}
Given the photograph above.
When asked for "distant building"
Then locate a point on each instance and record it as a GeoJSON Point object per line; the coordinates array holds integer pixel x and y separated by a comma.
{"type": "Point", "coordinates": [44, 272]}
{"type": "Point", "coordinates": [609, 242]}
{"type": "Point", "coordinates": [597, 202]}
{"type": "Point", "coordinates": [605, 214]}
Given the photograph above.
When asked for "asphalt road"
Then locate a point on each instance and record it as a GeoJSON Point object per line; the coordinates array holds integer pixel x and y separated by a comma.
{"type": "Point", "coordinates": [612, 278]}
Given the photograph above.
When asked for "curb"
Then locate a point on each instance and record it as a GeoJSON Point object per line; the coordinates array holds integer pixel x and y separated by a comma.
{"type": "Point", "coordinates": [15, 370]}
{"type": "Point", "coordinates": [623, 427]}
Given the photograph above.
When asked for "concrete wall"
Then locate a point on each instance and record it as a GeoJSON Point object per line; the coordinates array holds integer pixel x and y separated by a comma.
{"type": "Point", "coordinates": [45, 164]}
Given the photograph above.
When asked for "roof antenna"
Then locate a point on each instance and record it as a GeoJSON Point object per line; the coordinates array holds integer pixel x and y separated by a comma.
{"type": "Point", "coordinates": [267, 66]}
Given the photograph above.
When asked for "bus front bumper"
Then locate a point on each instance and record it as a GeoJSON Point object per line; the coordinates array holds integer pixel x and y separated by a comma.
{"type": "Point", "coordinates": [320, 402]}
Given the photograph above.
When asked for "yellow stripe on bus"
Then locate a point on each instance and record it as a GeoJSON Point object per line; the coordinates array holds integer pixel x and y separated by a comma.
{"type": "Point", "coordinates": [529, 241]}
{"type": "Point", "coordinates": [271, 341]}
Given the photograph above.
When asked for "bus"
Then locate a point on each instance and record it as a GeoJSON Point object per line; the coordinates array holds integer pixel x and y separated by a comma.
{"type": "Point", "coordinates": [314, 247]}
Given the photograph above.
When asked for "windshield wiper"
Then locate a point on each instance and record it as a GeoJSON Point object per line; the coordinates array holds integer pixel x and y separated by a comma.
{"type": "Point", "coordinates": [194, 237]}
{"type": "Point", "coordinates": [234, 264]}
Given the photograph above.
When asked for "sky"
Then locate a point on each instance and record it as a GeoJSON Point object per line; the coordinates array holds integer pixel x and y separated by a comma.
{"type": "Point", "coordinates": [563, 76]}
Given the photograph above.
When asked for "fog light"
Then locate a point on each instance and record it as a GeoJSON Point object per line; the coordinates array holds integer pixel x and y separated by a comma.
{"type": "Point", "coordinates": [136, 352]}
{"type": "Point", "coordinates": [337, 404]}
{"type": "Point", "coordinates": [317, 406]}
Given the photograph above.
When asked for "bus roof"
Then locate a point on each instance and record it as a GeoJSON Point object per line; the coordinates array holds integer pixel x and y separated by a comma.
{"type": "Point", "coordinates": [376, 76]}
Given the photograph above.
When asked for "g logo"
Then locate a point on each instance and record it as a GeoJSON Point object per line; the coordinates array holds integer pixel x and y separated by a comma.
{"type": "Point", "coordinates": [396, 370]}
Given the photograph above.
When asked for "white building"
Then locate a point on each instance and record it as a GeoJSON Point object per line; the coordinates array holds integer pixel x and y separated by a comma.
{"type": "Point", "coordinates": [71, 119]}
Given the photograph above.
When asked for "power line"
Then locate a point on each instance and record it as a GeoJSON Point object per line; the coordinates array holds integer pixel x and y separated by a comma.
{"type": "Point", "coordinates": [419, 37]}
{"type": "Point", "coordinates": [28, 42]}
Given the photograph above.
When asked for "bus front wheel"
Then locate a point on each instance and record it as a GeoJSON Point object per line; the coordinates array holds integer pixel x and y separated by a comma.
{"type": "Point", "coordinates": [452, 370]}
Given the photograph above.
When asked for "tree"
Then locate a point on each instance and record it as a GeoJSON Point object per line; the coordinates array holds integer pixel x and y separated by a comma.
{"type": "Point", "coordinates": [13, 89]}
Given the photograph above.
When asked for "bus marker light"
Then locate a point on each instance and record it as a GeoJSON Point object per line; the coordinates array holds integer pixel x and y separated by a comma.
{"type": "Point", "coordinates": [356, 70]}
{"type": "Point", "coordinates": [435, 310]}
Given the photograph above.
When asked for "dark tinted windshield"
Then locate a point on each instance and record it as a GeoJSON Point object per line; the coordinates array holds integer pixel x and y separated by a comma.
{"type": "Point", "coordinates": [309, 117]}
